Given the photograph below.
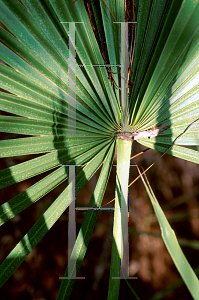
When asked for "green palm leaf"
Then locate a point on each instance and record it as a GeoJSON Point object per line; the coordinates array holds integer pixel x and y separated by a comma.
{"type": "Point", "coordinates": [173, 247]}
{"type": "Point", "coordinates": [167, 74]}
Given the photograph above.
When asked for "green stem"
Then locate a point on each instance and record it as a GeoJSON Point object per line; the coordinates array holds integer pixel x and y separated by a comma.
{"type": "Point", "coordinates": [120, 215]}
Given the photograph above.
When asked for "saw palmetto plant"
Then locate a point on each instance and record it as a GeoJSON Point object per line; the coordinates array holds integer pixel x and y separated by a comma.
{"type": "Point", "coordinates": [75, 87]}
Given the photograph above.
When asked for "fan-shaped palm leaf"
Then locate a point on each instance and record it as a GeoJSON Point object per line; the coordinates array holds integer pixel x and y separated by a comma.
{"type": "Point", "coordinates": [71, 111]}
